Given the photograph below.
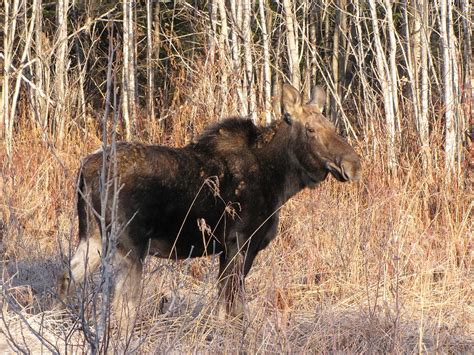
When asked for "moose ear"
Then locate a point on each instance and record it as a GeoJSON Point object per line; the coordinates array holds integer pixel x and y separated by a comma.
{"type": "Point", "coordinates": [318, 97]}
{"type": "Point", "coordinates": [291, 99]}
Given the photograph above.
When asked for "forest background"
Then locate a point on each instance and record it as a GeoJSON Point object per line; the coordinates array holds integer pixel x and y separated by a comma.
{"type": "Point", "coordinates": [382, 265]}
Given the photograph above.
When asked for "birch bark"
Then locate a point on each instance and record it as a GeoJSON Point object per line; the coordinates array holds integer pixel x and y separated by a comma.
{"type": "Point", "coordinates": [267, 85]}
{"type": "Point", "coordinates": [423, 124]}
{"type": "Point", "coordinates": [384, 77]}
{"type": "Point", "coordinates": [149, 61]}
{"type": "Point", "coordinates": [213, 32]}
{"type": "Point", "coordinates": [246, 33]}
{"type": "Point", "coordinates": [61, 67]}
{"type": "Point", "coordinates": [129, 68]}
{"type": "Point", "coordinates": [292, 44]}
{"type": "Point", "coordinates": [223, 58]}
{"type": "Point", "coordinates": [236, 27]}
{"type": "Point", "coordinates": [450, 134]}
{"type": "Point", "coordinates": [8, 37]}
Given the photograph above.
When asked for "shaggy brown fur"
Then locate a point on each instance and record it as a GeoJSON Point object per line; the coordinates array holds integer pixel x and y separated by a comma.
{"type": "Point", "coordinates": [235, 176]}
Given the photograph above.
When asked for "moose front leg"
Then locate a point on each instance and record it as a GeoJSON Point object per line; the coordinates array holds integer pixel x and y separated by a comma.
{"type": "Point", "coordinates": [235, 263]}
{"type": "Point", "coordinates": [231, 284]}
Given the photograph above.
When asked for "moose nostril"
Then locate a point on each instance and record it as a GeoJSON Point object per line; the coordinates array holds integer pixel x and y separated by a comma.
{"type": "Point", "coordinates": [351, 168]}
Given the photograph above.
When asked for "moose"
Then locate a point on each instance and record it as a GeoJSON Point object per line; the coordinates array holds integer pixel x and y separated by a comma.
{"type": "Point", "coordinates": [233, 178]}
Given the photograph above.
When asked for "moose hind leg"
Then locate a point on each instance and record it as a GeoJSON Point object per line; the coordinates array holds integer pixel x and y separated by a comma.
{"type": "Point", "coordinates": [127, 289]}
{"type": "Point", "coordinates": [86, 259]}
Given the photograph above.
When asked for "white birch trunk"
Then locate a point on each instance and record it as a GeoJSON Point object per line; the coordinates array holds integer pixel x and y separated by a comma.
{"type": "Point", "coordinates": [80, 70]}
{"type": "Point", "coordinates": [126, 59]}
{"type": "Point", "coordinates": [312, 47]}
{"type": "Point", "coordinates": [392, 69]}
{"type": "Point", "coordinates": [156, 37]}
{"type": "Point", "coordinates": [236, 11]}
{"type": "Point", "coordinates": [276, 80]}
{"type": "Point", "coordinates": [28, 35]}
{"type": "Point", "coordinates": [246, 33]}
{"type": "Point", "coordinates": [335, 64]}
{"type": "Point", "coordinates": [417, 69]}
{"type": "Point", "coordinates": [213, 33]}
{"type": "Point", "coordinates": [412, 48]}
{"type": "Point", "coordinates": [467, 79]}
{"type": "Point", "coordinates": [423, 124]}
{"type": "Point", "coordinates": [61, 68]}
{"type": "Point", "coordinates": [384, 78]}
{"type": "Point", "coordinates": [458, 119]}
{"type": "Point", "coordinates": [450, 133]}
{"type": "Point", "coordinates": [149, 62]}
{"type": "Point", "coordinates": [392, 58]}
{"type": "Point", "coordinates": [223, 59]}
{"type": "Point", "coordinates": [8, 38]}
{"type": "Point", "coordinates": [292, 45]}
{"type": "Point", "coordinates": [467, 53]}
{"type": "Point", "coordinates": [40, 100]}
{"type": "Point", "coordinates": [129, 66]}
{"type": "Point", "coordinates": [133, 69]}
{"type": "Point", "coordinates": [267, 85]}
{"type": "Point", "coordinates": [234, 36]}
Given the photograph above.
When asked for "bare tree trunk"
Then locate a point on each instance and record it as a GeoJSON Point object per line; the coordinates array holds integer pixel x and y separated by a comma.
{"type": "Point", "coordinates": [213, 33]}
{"type": "Point", "coordinates": [423, 123]}
{"type": "Point", "coordinates": [450, 132]}
{"type": "Point", "coordinates": [340, 30]}
{"type": "Point", "coordinates": [246, 34]}
{"type": "Point", "coordinates": [416, 47]}
{"type": "Point", "coordinates": [236, 28]}
{"type": "Point", "coordinates": [80, 62]}
{"type": "Point", "coordinates": [412, 53]}
{"type": "Point", "coordinates": [267, 84]}
{"type": "Point", "coordinates": [384, 76]}
{"type": "Point", "coordinates": [468, 78]}
{"type": "Point", "coordinates": [156, 39]}
{"type": "Point", "coordinates": [156, 31]}
{"type": "Point", "coordinates": [366, 91]}
{"type": "Point", "coordinates": [125, 69]}
{"type": "Point", "coordinates": [312, 45]}
{"type": "Point", "coordinates": [8, 39]}
{"type": "Point", "coordinates": [467, 53]}
{"type": "Point", "coordinates": [9, 109]}
{"type": "Point", "coordinates": [291, 41]}
{"type": "Point", "coordinates": [305, 86]}
{"type": "Point", "coordinates": [276, 80]}
{"type": "Point", "coordinates": [223, 58]}
{"type": "Point", "coordinates": [40, 102]}
{"type": "Point", "coordinates": [61, 67]}
{"type": "Point", "coordinates": [458, 114]}
{"type": "Point", "coordinates": [129, 66]}
{"type": "Point", "coordinates": [393, 64]}
{"type": "Point", "coordinates": [150, 95]}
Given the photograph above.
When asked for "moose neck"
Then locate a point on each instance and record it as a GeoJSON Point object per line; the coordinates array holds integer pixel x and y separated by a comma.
{"type": "Point", "coordinates": [281, 168]}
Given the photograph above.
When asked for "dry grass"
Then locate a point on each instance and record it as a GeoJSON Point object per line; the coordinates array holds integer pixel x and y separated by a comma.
{"type": "Point", "coordinates": [379, 266]}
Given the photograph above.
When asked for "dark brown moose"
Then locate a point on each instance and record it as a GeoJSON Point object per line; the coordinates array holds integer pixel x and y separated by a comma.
{"type": "Point", "coordinates": [234, 177]}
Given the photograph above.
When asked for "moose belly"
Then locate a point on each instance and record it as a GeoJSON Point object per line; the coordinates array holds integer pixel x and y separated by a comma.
{"type": "Point", "coordinates": [175, 224]}
{"type": "Point", "coordinates": [163, 249]}
{"type": "Point", "coordinates": [180, 241]}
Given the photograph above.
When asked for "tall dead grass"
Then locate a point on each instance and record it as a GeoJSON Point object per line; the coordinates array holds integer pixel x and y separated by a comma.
{"type": "Point", "coordinates": [380, 266]}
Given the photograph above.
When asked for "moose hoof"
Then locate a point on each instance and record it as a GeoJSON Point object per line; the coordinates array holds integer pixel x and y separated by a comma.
{"type": "Point", "coordinates": [234, 310]}
{"type": "Point", "coordinates": [237, 310]}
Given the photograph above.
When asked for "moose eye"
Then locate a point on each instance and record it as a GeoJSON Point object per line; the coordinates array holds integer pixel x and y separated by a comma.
{"type": "Point", "coordinates": [309, 128]}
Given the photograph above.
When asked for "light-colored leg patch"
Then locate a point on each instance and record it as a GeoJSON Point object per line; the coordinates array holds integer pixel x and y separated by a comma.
{"type": "Point", "coordinates": [85, 260]}
{"type": "Point", "coordinates": [127, 291]}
